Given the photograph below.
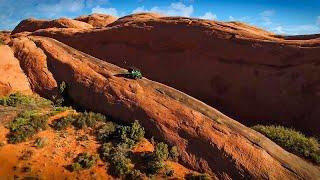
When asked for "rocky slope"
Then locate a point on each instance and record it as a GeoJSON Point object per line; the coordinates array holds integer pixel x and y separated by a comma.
{"type": "Point", "coordinates": [223, 64]}
{"type": "Point", "coordinates": [208, 141]}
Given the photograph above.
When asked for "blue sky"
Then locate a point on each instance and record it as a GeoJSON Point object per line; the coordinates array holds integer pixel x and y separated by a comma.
{"type": "Point", "coordinates": [279, 16]}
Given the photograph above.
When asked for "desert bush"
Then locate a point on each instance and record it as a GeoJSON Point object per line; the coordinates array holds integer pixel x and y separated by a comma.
{"type": "Point", "coordinates": [59, 109]}
{"type": "Point", "coordinates": [130, 135]}
{"type": "Point", "coordinates": [63, 123]}
{"type": "Point", "coordinates": [105, 150]}
{"type": "Point", "coordinates": [62, 87]}
{"type": "Point", "coordinates": [59, 100]}
{"type": "Point", "coordinates": [106, 131]}
{"type": "Point", "coordinates": [1, 42]}
{"type": "Point", "coordinates": [193, 176]}
{"type": "Point", "coordinates": [17, 99]}
{"type": "Point", "coordinates": [40, 142]}
{"type": "Point", "coordinates": [292, 141]}
{"type": "Point", "coordinates": [83, 161]}
{"type": "Point", "coordinates": [174, 154]}
{"type": "Point", "coordinates": [161, 151]}
{"type": "Point", "coordinates": [135, 175]}
{"type": "Point", "coordinates": [119, 163]}
{"type": "Point", "coordinates": [87, 119]}
{"type": "Point", "coordinates": [155, 166]}
{"type": "Point", "coordinates": [137, 131]}
{"type": "Point", "coordinates": [27, 124]}
{"type": "Point", "coordinates": [169, 171]}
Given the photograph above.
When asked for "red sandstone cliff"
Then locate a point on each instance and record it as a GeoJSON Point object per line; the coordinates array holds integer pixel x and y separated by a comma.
{"type": "Point", "coordinates": [222, 64]}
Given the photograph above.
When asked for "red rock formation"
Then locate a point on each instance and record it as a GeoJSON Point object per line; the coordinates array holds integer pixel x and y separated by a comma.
{"type": "Point", "coordinates": [97, 20]}
{"type": "Point", "coordinates": [32, 24]}
{"type": "Point", "coordinates": [207, 140]}
{"type": "Point", "coordinates": [12, 78]}
{"type": "Point", "coordinates": [247, 73]}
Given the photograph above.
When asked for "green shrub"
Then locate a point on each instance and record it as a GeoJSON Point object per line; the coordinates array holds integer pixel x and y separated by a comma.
{"type": "Point", "coordinates": [40, 142]}
{"type": "Point", "coordinates": [174, 154]}
{"type": "Point", "coordinates": [134, 175]}
{"type": "Point", "coordinates": [119, 163]}
{"type": "Point", "coordinates": [17, 98]}
{"type": "Point", "coordinates": [75, 167]}
{"type": "Point", "coordinates": [292, 141]}
{"type": "Point", "coordinates": [27, 124]}
{"type": "Point", "coordinates": [59, 109]}
{"type": "Point", "coordinates": [63, 123]}
{"type": "Point", "coordinates": [105, 150]}
{"type": "Point", "coordinates": [83, 161]}
{"type": "Point", "coordinates": [87, 119]}
{"type": "Point", "coordinates": [137, 131]}
{"type": "Point", "coordinates": [130, 135]}
{"type": "Point", "coordinates": [161, 151]}
{"type": "Point", "coordinates": [155, 166]}
{"type": "Point", "coordinates": [62, 87]}
{"type": "Point", "coordinates": [193, 176]}
{"type": "Point", "coordinates": [169, 172]}
{"type": "Point", "coordinates": [106, 131]}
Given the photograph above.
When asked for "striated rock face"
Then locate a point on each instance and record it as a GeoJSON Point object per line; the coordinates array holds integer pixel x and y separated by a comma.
{"type": "Point", "coordinates": [247, 73]}
{"type": "Point", "coordinates": [208, 141]}
{"type": "Point", "coordinates": [12, 78]}
{"type": "Point", "coordinates": [32, 24]}
{"type": "Point", "coordinates": [97, 20]}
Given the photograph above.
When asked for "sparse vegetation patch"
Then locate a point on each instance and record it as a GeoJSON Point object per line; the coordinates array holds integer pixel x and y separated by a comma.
{"type": "Point", "coordinates": [17, 99]}
{"type": "Point", "coordinates": [293, 141]}
{"type": "Point", "coordinates": [26, 125]}
{"type": "Point", "coordinates": [83, 161]}
{"type": "Point", "coordinates": [40, 142]}
{"type": "Point", "coordinates": [193, 176]}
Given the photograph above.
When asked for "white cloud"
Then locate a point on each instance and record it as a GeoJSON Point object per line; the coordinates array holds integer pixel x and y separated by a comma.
{"type": "Point", "coordinates": [174, 9]}
{"type": "Point", "coordinates": [265, 15]}
{"type": "Point", "coordinates": [110, 11]}
{"type": "Point", "coordinates": [296, 30]}
{"type": "Point", "coordinates": [93, 3]}
{"type": "Point", "coordinates": [63, 6]}
{"type": "Point", "coordinates": [140, 9]}
{"type": "Point", "coordinates": [242, 19]}
{"type": "Point", "coordinates": [279, 30]}
{"type": "Point", "coordinates": [208, 15]}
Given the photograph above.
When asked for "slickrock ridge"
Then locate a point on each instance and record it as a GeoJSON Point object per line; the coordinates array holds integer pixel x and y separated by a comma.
{"type": "Point", "coordinates": [225, 65]}
{"type": "Point", "coordinates": [97, 20]}
{"type": "Point", "coordinates": [12, 78]}
{"type": "Point", "coordinates": [32, 24]}
{"type": "Point", "coordinates": [207, 140]}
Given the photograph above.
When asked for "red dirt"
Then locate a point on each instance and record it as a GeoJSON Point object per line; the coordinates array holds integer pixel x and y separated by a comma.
{"type": "Point", "coordinates": [59, 151]}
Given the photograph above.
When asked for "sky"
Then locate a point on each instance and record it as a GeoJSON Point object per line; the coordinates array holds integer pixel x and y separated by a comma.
{"type": "Point", "coordinates": [287, 17]}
